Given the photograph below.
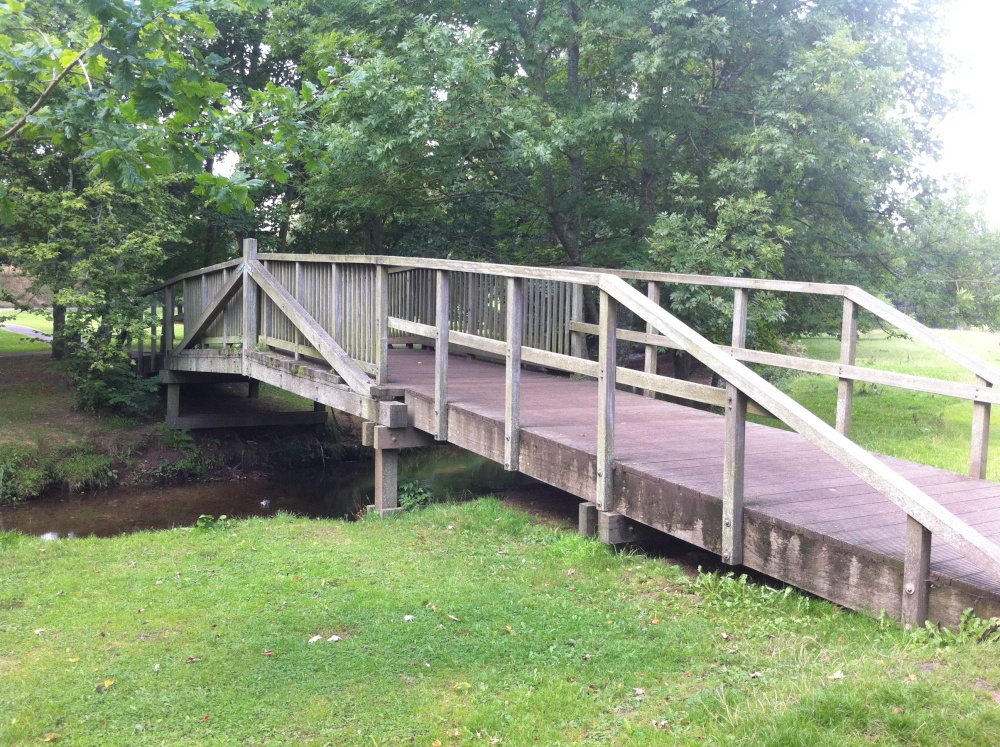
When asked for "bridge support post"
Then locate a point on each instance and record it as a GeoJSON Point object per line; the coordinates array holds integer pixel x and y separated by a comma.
{"type": "Point", "coordinates": [916, 574]}
{"type": "Point", "coordinates": [512, 398]}
{"type": "Point", "coordinates": [735, 450]}
{"type": "Point", "coordinates": [386, 481]}
{"type": "Point", "coordinates": [588, 519]}
{"type": "Point", "coordinates": [253, 389]}
{"type": "Point", "coordinates": [173, 404]}
{"type": "Point", "coordinates": [607, 373]}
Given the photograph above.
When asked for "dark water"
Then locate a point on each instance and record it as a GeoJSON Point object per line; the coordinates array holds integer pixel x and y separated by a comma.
{"type": "Point", "coordinates": [336, 491]}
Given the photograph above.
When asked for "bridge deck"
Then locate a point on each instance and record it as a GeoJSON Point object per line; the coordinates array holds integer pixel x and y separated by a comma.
{"type": "Point", "coordinates": [808, 520]}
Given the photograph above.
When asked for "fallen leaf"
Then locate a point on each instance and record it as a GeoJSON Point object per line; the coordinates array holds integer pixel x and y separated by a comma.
{"type": "Point", "coordinates": [495, 740]}
{"type": "Point", "coordinates": [452, 617]}
{"type": "Point", "coordinates": [726, 636]}
{"type": "Point", "coordinates": [655, 621]}
{"type": "Point", "coordinates": [205, 720]}
{"type": "Point", "coordinates": [638, 691]}
{"type": "Point", "coordinates": [39, 631]}
{"type": "Point", "coordinates": [51, 737]}
{"type": "Point", "coordinates": [838, 675]}
{"type": "Point", "coordinates": [436, 743]}
{"type": "Point", "coordinates": [74, 660]}
{"type": "Point", "coordinates": [571, 571]}
{"type": "Point", "coordinates": [192, 659]}
{"type": "Point", "coordinates": [756, 675]}
{"type": "Point", "coordinates": [451, 527]}
{"type": "Point", "coordinates": [897, 709]}
{"type": "Point", "coordinates": [315, 639]}
{"type": "Point", "coordinates": [408, 618]}
{"type": "Point", "coordinates": [509, 629]}
{"type": "Point", "coordinates": [334, 639]}
{"type": "Point", "coordinates": [267, 652]}
{"type": "Point", "coordinates": [463, 686]}
{"type": "Point", "coordinates": [103, 686]}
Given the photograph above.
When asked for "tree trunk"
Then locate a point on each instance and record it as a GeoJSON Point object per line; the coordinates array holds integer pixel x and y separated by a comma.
{"type": "Point", "coordinates": [58, 332]}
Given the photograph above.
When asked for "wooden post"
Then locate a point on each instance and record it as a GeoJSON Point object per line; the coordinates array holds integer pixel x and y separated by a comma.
{"type": "Point", "coordinates": [916, 574]}
{"type": "Point", "coordinates": [733, 464]}
{"type": "Point", "coordinates": [848, 353]}
{"type": "Point", "coordinates": [167, 333]}
{"type": "Point", "coordinates": [980, 434]}
{"type": "Point", "coordinates": [381, 324]}
{"type": "Point", "coordinates": [253, 389]}
{"type": "Point", "coordinates": [173, 404]}
{"type": "Point", "coordinates": [152, 335]}
{"type": "Point", "coordinates": [249, 303]}
{"type": "Point", "coordinates": [337, 322]}
{"type": "Point", "coordinates": [653, 294]}
{"type": "Point", "coordinates": [587, 526]}
{"type": "Point", "coordinates": [441, 357]}
{"type": "Point", "coordinates": [577, 340]}
{"type": "Point", "coordinates": [512, 414]}
{"type": "Point", "coordinates": [386, 480]}
{"type": "Point", "coordinates": [607, 362]}
{"type": "Point", "coordinates": [298, 297]}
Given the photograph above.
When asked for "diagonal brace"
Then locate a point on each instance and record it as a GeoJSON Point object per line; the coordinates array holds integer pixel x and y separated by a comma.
{"type": "Point", "coordinates": [318, 337]}
{"type": "Point", "coordinates": [214, 307]}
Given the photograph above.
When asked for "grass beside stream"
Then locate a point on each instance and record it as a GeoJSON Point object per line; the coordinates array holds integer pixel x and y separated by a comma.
{"type": "Point", "coordinates": [925, 428]}
{"type": "Point", "coordinates": [458, 625]}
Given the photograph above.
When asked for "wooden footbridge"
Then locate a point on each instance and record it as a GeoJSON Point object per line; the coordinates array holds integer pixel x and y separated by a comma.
{"type": "Point", "coordinates": [493, 358]}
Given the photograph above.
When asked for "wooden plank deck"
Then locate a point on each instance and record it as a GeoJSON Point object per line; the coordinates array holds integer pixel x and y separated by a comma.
{"type": "Point", "coordinates": [809, 521]}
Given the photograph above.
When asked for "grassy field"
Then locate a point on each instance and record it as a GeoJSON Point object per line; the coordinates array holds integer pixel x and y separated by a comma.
{"type": "Point", "coordinates": [466, 624]}
{"type": "Point", "coordinates": [924, 428]}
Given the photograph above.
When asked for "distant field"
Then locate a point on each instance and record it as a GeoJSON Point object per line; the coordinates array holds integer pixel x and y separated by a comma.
{"type": "Point", "coordinates": [926, 428]}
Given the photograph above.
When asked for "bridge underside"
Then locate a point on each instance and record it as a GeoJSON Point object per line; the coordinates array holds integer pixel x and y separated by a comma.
{"type": "Point", "coordinates": [808, 521]}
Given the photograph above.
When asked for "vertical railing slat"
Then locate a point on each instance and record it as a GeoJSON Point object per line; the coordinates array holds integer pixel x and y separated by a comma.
{"type": "Point", "coordinates": [249, 303]}
{"type": "Point", "coordinates": [848, 353]}
{"type": "Point", "coordinates": [979, 455]}
{"type": "Point", "coordinates": [651, 362]}
{"type": "Point", "coordinates": [381, 324]}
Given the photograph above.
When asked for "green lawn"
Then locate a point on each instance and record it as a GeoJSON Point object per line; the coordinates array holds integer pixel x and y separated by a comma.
{"type": "Point", "coordinates": [462, 624]}
{"type": "Point", "coordinates": [40, 322]}
{"type": "Point", "coordinates": [13, 342]}
{"type": "Point", "coordinates": [925, 428]}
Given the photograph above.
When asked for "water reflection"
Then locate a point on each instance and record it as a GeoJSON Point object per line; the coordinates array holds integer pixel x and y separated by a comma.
{"type": "Point", "coordinates": [336, 491]}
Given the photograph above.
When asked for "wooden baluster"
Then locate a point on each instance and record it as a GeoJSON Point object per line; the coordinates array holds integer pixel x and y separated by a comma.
{"type": "Point", "coordinates": [848, 353]}
{"type": "Point", "coordinates": [735, 449]}
{"type": "Point", "coordinates": [577, 340]}
{"type": "Point", "coordinates": [296, 334]}
{"type": "Point", "coordinates": [441, 357]}
{"type": "Point", "coordinates": [653, 294]}
{"type": "Point", "coordinates": [980, 434]}
{"type": "Point", "coordinates": [916, 574]}
{"type": "Point", "coordinates": [249, 304]}
{"type": "Point", "coordinates": [167, 332]}
{"type": "Point", "coordinates": [512, 414]}
{"type": "Point", "coordinates": [153, 342]}
{"type": "Point", "coordinates": [381, 324]}
{"type": "Point", "coordinates": [607, 358]}
{"type": "Point", "coordinates": [337, 310]}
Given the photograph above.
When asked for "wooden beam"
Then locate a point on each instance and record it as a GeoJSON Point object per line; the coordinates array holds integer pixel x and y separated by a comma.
{"type": "Point", "coordinates": [512, 396]}
{"type": "Point", "coordinates": [246, 419]}
{"type": "Point", "coordinates": [319, 338]}
{"type": "Point", "coordinates": [848, 352]}
{"type": "Point", "coordinates": [400, 438]}
{"type": "Point", "coordinates": [608, 352]}
{"type": "Point", "coordinates": [980, 451]}
{"type": "Point", "coordinates": [212, 309]}
{"type": "Point", "coordinates": [916, 574]}
{"type": "Point", "coordinates": [441, 335]}
{"type": "Point", "coordinates": [734, 458]}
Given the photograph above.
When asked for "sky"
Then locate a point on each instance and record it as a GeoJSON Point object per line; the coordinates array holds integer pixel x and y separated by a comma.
{"type": "Point", "coordinates": [971, 134]}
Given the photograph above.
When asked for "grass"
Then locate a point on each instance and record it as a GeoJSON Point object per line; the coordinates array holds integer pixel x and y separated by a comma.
{"type": "Point", "coordinates": [519, 634]}
{"type": "Point", "coordinates": [925, 428]}
{"type": "Point", "coordinates": [14, 342]}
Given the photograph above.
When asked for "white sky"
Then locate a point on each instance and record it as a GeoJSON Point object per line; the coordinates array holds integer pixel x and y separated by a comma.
{"type": "Point", "coordinates": [971, 134]}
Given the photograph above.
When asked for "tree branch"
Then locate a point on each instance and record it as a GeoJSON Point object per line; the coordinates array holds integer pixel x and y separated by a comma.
{"type": "Point", "coordinates": [19, 124]}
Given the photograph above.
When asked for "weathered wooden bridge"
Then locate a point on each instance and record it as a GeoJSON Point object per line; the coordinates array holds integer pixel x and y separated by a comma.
{"type": "Point", "coordinates": [493, 358]}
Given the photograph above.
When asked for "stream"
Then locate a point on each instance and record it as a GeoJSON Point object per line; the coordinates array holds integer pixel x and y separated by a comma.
{"type": "Point", "coordinates": [338, 490]}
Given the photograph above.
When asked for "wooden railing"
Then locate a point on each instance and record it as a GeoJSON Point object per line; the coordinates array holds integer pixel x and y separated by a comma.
{"type": "Point", "coordinates": [343, 310]}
